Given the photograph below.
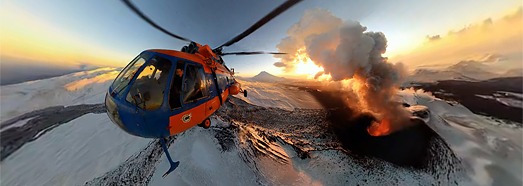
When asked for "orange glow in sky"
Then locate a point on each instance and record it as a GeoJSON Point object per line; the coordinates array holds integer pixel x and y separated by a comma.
{"type": "Point", "coordinates": [56, 34]}
{"type": "Point", "coordinates": [499, 36]}
{"type": "Point", "coordinates": [25, 36]}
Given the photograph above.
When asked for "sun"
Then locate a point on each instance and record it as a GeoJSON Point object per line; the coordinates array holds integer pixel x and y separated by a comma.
{"type": "Point", "coordinates": [307, 68]}
{"type": "Point", "coordinates": [303, 65]}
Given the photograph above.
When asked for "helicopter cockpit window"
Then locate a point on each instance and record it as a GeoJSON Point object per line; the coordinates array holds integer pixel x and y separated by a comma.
{"type": "Point", "coordinates": [194, 84]}
{"type": "Point", "coordinates": [148, 89]}
{"type": "Point", "coordinates": [127, 74]}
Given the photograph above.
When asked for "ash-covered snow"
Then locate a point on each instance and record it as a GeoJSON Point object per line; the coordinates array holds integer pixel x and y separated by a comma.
{"type": "Point", "coordinates": [87, 87]}
{"type": "Point", "coordinates": [490, 150]}
{"type": "Point", "coordinates": [286, 148]}
{"type": "Point", "coordinates": [71, 154]}
{"type": "Point", "coordinates": [277, 96]}
{"type": "Point", "coordinates": [41, 121]}
{"type": "Point", "coordinates": [203, 162]}
{"type": "Point", "coordinates": [136, 170]}
{"type": "Point", "coordinates": [279, 135]}
{"type": "Point", "coordinates": [18, 123]}
{"type": "Point", "coordinates": [510, 99]}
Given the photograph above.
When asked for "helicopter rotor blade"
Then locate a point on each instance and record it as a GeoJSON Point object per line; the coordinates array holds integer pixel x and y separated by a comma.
{"type": "Point", "coordinates": [261, 22]}
{"type": "Point", "coordinates": [152, 23]}
{"type": "Point", "coordinates": [250, 53]}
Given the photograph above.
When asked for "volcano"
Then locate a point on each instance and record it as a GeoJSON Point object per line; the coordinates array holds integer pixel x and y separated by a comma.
{"type": "Point", "coordinates": [267, 77]}
{"type": "Point", "coordinates": [286, 134]}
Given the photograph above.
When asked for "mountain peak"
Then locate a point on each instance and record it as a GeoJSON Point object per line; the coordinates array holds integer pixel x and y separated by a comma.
{"type": "Point", "coordinates": [267, 77]}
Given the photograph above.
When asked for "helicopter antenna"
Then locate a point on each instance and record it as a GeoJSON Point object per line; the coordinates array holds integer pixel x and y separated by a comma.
{"type": "Point", "coordinates": [261, 22]}
{"type": "Point", "coordinates": [152, 23]}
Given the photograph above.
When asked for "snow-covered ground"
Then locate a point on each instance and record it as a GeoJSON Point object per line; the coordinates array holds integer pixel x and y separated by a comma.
{"type": "Point", "coordinates": [277, 95]}
{"type": "Point", "coordinates": [202, 162]}
{"type": "Point", "coordinates": [510, 99]}
{"type": "Point", "coordinates": [492, 151]}
{"type": "Point", "coordinates": [90, 146]}
{"type": "Point", "coordinates": [268, 156]}
{"type": "Point", "coordinates": [87, 87]}
{"type": "Point", "coordinates": [71, 154]}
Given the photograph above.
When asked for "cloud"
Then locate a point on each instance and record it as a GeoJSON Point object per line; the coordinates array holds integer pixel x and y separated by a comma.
{"type": "Point", "coordinates": [348, 52]}
{"type": "Point", "coordinates": [490, 40]}
{"type": "Point", "coordinates": [313, 22]}
{"type": "Point", "coordinates": [433, 38]}
{"type": "Point", "coordinates": [279, 64]}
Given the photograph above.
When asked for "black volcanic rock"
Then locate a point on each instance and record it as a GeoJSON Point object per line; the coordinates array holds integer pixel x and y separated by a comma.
{"type": "Point", "coordinates": [408, 147]}
{"type": "Point", "coordinates": [465, 92]}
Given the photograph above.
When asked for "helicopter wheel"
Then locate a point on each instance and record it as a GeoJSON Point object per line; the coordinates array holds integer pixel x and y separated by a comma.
{"type": "Point", "coordinates": [205, 124]}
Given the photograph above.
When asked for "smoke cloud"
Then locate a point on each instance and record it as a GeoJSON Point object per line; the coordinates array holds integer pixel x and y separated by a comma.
{"type": "Point", "coordinates": [279, 64]}
{"type": "Point", "coordinates": [347, 51]}
{"type": "Point", "coordinates": [313, 22]}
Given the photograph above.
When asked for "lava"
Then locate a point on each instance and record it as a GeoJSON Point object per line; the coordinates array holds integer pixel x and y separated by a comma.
{"type": "Point", "coordinates": [379, 128]}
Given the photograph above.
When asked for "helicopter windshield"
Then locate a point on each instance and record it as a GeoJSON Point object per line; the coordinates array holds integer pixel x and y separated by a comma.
{"type": "Point", "coordinates": [147, 90]}
{"type": "Point", "coordinates": [127, 74]}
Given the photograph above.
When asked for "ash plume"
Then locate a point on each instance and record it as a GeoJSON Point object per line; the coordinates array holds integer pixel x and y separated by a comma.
{"type": "Point", "coordinates": [279, 64]}
{"type": "Point", "coordinates": [347, 51]}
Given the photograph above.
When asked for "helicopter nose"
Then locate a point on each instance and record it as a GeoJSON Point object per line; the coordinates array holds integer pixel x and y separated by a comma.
{"type": "Point", "coordinates": [112, 112]}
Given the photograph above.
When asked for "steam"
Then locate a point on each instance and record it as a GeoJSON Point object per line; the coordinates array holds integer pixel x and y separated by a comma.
{"type": "Point", "coordinates": [346, 51]}
{"type": "Point", "coordinates": [313, 22]}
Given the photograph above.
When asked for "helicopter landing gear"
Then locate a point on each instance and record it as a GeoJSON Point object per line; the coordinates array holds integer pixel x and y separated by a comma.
{"type": "Point", "coordinates": [205, 124]}
{"type": "Point", "coordinates": [163, 142]}
{"type": "Point", "coordinates": [244, 93]}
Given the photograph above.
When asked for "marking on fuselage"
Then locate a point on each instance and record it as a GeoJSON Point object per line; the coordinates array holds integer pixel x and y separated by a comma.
{"type": "Point", "coordinates": [186, 118]}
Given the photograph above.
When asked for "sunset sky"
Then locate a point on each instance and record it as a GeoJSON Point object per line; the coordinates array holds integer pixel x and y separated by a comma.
{"type": "Point", "coordinates": [106, 33]}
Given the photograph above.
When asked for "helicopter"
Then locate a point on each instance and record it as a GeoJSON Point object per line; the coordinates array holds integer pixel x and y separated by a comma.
{"type": "Point", "coordinates": [161, 92]}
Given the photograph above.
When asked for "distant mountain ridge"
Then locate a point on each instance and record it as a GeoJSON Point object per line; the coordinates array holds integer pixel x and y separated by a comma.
{"type": "Point", "coordinates": [518, 72]}
{"type": "Point", "coordinates": [429, 75]}
{"type": "Point", "coordinates": [264, 76]}
{"type": "Point", "coordinates": [468, 70]}
{"type": "Point", "coordinates": [473, 69]}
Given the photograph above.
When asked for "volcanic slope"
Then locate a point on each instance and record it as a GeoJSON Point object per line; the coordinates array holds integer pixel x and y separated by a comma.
{"type": "Point", "coordinates": [294, 142]}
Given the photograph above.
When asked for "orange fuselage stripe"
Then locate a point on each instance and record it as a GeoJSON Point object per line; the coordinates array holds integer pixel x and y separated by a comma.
{"type": "Point", "coordinates": [194, 116]}
{"type": "Point", "coordinates": [180, 122]}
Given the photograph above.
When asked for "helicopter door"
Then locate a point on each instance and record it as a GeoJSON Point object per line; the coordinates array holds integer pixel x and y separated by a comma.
{"type": "Point", "coordinates": [195, 86]}
{"type": "Point", "coordinates": [176, 86]}
{"type": "Point", "coordinates": [194, 92]}
{"type": "Point", "coordinates": [188, 86]}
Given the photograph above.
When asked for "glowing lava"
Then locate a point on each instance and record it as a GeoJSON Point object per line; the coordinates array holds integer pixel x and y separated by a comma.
{"type": "Point", "coordinates": [379, 128]}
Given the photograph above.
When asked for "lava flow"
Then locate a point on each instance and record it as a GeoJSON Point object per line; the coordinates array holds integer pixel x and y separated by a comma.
{"type": "Point", "coordinates": [379, 128]}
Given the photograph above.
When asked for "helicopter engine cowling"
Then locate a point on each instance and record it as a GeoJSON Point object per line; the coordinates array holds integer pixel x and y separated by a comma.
{"type": "Point", "coordinates": [235, 88]}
